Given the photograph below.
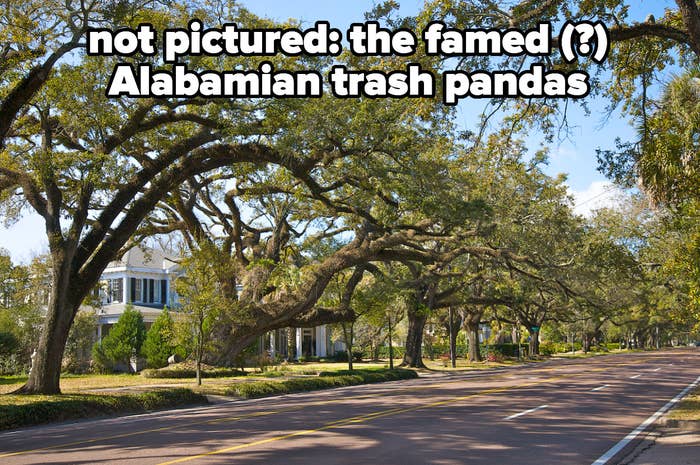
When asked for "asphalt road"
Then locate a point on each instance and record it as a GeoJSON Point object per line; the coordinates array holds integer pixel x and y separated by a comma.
{"type": "Point", "coordinates": [559, 412]}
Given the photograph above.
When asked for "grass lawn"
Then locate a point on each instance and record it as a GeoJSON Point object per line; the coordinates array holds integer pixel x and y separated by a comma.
{"type": "Point", "coordinates": [688, 409]}
{"type": "Point", "coordinates": [99, 395]}
{"type": "Point", "coordinates": [82, 383]}
{"type": "Point", "coordinates": [77, 384]}
{"type": "Point", "coordinates": [464, 365]}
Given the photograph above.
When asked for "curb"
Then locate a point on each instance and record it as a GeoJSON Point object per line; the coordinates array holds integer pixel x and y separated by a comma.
{"type": "Point", "coordinates": [685, 425]}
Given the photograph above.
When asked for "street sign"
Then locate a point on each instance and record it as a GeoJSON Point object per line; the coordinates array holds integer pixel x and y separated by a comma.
{"type": "Point", "coordinates": [535, 328]}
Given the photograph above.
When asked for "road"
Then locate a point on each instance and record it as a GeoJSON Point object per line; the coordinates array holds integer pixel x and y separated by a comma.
{"type": "Point", "coordinates": [558, 412]}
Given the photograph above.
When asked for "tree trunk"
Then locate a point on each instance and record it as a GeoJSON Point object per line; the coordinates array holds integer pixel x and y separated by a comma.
{"type": "Point", "coordinates": [473, 339]}
{"type": "Point", "coordinates": [199, 369]}
{"type": "Point", "coordinates": [348, 336]}
{"type": "Point", "coordinates": [391, 348]}
{"type": "Point", "coordinates": [413, 356]}
{"type": "Point", "coordinates": [586, 341]}
{"type": "Point", "coordinates": [199, 351]}
{"type": "Point", "coordinates": [534, 346]}
{"type": "Point", "coordinates": [453, 339]}
{"type": "Point", "coordinates": [46, 366]}
{"type": "Point", "coordinates": [291, 344]}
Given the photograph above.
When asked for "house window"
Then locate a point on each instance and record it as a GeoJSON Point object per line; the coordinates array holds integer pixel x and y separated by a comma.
{"type": "Point", "coordinates": [136, 291]}
{"type": "Point", "coordinates": [149, 291]}
{"type": "Point", "coordinates": [114, 290]}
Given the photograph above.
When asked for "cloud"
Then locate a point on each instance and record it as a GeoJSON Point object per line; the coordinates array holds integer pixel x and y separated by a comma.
{"type": "Point", "coordinates": [598, 194]}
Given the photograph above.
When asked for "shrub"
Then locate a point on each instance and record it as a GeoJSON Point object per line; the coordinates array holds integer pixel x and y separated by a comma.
{"type": "Point", "coordinates": [384, 352]}
{"type": "Point", "coordinates": [509, 350]}
{"type": "Point", "coordinates": [187, 370]}
{"type": "Point", "coordinates": [263, 361]}
{"type": "Point", "coordinates": [560, 347]}
{"type": "Point", "coordinates": [160, 341]}
{"type": "Point", "coordinates": [8, 343]}
{"type": "Point", "coordinates": [547, 348]}
{"type": "Point", "coordinates": [44, 409]}
{"type": "Point", "coordinates": [81, 338]}
{"type": "Point", "coordinates": [341, 356]}
{"type": "Point", "coordinates": [323, 381]}
{"type": "Point", "coordinates": [123, 341]}
{"type": "Point", "coordinates": [495, 355]}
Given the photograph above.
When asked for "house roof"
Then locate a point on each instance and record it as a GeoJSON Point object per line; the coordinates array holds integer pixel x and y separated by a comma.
{"type": "Point", "coordinates": [138, 257]}
{"type": "Point", "coordinates": [110, 313]}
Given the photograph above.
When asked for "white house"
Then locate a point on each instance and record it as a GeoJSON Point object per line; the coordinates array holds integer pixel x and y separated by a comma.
{"type": "Point", "coordinates": [144, 278]}
{"type": "Point", "coordinates": [310, 342]}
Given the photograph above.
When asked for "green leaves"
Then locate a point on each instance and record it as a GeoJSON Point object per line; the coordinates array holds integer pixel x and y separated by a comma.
{"type": "Point", "coordinates": [123, 341]}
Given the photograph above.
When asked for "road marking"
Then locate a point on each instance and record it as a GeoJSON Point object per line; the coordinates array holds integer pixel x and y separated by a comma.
{"type": "Point", "coordinates": [635, 376]}
{"type": "Point", "coordinates": [627, 439]}
{"type": "Point", "coordinates": [311, 404]}
{"type": "Point", "coordinates": [348, 421]}
{"type": "Point", "coordinates": [600, 388]}
{"type": "Point", "coordinates": [526, 412]}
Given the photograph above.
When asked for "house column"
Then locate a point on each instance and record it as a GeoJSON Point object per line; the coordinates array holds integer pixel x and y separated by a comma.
{"type": "Point", "coordinates": [299, 333]}
{"type": "Point", "coordinates": [321, 341]}
{"type": "Point", "coordinates": [272, 343]}
{"type": "Point", "coordinates": [99, 332]}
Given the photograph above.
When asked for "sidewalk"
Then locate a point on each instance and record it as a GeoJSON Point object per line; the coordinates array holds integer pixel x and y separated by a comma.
{"type": "Point", "coordinates": [676, 443]}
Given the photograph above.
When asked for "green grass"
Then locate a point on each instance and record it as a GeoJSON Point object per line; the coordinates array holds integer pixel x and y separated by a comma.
{"type": "Point", "coordinates": [325, 381]}
{"type": "Point", "coordinates": [462, 364]}
{"type": "Point", "coordinates": [82, 383]}
{"type": "Point", "coordinates": [188, 370]}
{"type": "Point", "coordinates": [25, 410]}
{"type": "Point", "coordinates": [688, 408]}
{"type": "Point", "coordinates": [12, 380]}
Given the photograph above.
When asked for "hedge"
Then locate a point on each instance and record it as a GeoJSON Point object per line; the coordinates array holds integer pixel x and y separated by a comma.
{"type": "Point", "coordinates": [324, 381]}
{"type": "Point", "coordinates": [384, 352]}
{"type": "Point", "coordinates": [178, 372]}
{"type": "Point", "coordinates": [18, 410]}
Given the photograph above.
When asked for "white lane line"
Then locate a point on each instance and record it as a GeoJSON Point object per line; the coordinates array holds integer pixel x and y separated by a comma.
{"type": "Point", "coordinates": [656, 369]}
{"type": "Point", "coordinates": [600, 388]}
{"type": "Point", "coordinates": [603, 459]}
{"type": "Point", "coordinates": [526, 412]}
{"type": "Point", "coordinates": [635, 376]}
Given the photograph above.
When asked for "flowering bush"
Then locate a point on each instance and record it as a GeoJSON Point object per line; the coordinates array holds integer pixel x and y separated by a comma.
{"type": "Point", "coordinates": [495, 356]}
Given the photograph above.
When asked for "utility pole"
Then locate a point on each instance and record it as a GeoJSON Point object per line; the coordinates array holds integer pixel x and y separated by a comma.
{"type": "Point", "coordinates": [453, 356]}
{"type": "Point", "coordinates": [391, 347]}
{"type": "Point", "coordinates": [517, 337]}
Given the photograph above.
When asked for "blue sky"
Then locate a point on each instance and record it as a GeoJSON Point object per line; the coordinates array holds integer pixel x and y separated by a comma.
{"type": "Point", "coordinates": [574, 155]}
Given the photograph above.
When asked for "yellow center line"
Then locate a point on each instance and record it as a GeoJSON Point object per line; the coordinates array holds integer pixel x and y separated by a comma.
{"type": "Point", "coordinates": [383, 413]}
{"type": "Point", "coordinates": [284, 410]}
{"type": "Point", "coordinates": [358, 419]}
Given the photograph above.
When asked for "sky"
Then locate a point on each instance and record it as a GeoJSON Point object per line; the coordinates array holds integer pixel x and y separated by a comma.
{"type": "Point", "coordinates": [573, 155]}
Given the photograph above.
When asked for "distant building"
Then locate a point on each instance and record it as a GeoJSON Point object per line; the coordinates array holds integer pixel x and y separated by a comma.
{"type": "Point", "coordinates": [145, 279]}
{"type": "Point", "coordinates": [309, 342]}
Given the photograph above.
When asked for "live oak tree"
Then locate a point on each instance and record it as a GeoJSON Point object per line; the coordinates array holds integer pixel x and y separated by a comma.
{"type": "Point", "coordinates": [289, 231]}
{"type": "Point", "coordinates": [95, 170]}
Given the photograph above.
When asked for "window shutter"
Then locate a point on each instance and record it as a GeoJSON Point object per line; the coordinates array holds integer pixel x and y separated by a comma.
{"type": "Point", "coordinates": [163, 291]}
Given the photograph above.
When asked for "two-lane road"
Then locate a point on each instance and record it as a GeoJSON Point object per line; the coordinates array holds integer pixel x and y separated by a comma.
{"type": "Point", "coordinates": [560, 412]}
